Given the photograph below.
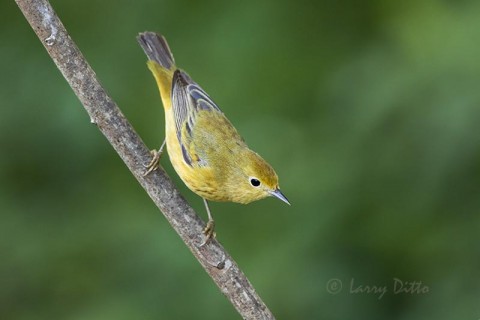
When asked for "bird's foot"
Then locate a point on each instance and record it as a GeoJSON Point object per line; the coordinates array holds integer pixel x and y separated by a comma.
{"type": "Point", "coordinates": [154, 163]}
{"type": "Point", "coordinates": [209, 231]}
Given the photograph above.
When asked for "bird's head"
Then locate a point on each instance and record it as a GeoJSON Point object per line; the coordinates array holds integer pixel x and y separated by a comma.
{"type": "Point", "coordinates": [257, 180]}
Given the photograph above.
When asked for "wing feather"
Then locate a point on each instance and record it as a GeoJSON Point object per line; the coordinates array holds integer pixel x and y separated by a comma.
{"type": "Point", "coordinates": [188, 98]}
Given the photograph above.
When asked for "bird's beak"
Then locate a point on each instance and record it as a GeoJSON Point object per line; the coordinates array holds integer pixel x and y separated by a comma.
{"type": "Point", "coordinates": [278, 194]}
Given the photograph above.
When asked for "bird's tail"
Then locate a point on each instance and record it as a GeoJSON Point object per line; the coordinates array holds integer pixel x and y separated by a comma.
{"type": "Point", "coordinates": [160, 62]}
{"type": "Point", "coordinates": [156, 48]}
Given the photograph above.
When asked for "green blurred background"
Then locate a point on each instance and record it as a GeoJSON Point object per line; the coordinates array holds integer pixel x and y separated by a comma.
{"type": "Point", "coordinates": [368, 110]}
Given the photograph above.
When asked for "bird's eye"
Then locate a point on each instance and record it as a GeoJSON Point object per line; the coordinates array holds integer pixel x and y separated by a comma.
{"type": "Point", "coordinates": [255, 182]}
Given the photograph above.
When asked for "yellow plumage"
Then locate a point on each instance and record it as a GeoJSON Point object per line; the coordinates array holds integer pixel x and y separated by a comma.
{"type": "Point", "coordinates": [205, 149]}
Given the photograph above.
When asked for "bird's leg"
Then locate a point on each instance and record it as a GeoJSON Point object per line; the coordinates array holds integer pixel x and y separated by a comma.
{"type": "Point", "coordinates": [209, 230]}
{"type": "Point", "coordinates": [153, 165]}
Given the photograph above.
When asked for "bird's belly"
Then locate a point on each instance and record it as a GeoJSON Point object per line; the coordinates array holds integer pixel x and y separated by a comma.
{"type": "Point", "coordinates": [198, 179]}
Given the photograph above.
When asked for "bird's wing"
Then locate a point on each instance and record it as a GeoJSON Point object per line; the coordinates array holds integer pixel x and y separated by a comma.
{"type": "Point", "coordinates": [188, 98]}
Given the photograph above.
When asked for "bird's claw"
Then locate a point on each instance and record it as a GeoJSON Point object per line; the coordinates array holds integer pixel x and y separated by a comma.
{"type": "Point", "coordinates": [154, 163]}
{"type": "Point", "coordinates": [209, 232]}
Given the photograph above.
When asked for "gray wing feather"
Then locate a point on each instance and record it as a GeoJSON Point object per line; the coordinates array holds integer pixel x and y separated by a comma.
{"type": "Point", "coordinates": [187, 99]}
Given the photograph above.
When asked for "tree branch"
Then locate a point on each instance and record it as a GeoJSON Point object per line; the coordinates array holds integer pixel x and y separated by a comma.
{"type": "Point", "coordinates": [112, 123]}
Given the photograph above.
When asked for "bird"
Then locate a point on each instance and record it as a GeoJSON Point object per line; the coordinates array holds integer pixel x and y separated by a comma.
{"type": "Point", "coordinates": [205, 149]}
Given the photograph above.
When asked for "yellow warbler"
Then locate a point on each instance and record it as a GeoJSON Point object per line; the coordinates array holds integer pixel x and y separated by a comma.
{"type": "Point", "coordinates": [205, 149]}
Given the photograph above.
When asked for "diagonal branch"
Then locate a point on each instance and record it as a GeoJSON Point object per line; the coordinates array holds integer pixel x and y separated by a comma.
{"type": "Point", "coordinates": [112, 123]}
